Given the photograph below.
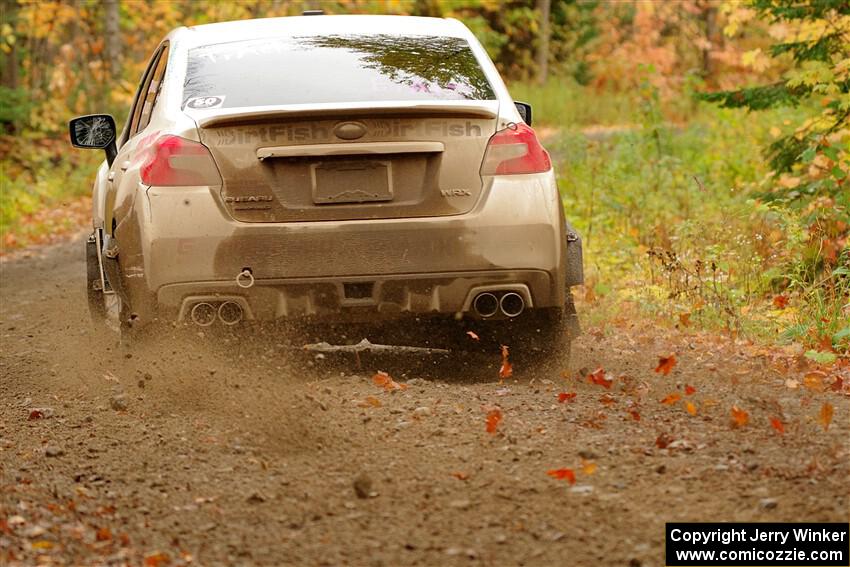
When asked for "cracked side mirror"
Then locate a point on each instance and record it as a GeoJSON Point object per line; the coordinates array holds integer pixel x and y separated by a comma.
{"type": "Point", "coordinates": [94, 132]}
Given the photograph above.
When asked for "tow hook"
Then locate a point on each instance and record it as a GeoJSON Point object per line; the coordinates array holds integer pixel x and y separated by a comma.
{"type": "Point", "coordinates": [245, 278]}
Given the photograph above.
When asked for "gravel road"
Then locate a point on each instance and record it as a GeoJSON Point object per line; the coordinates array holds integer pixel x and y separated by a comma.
{"type": "Point", "coordinates": [222, 450]}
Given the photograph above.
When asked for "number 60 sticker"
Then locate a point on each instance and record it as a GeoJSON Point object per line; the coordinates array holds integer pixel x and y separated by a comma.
{"type": "Point", "coordinates": [205, 102]}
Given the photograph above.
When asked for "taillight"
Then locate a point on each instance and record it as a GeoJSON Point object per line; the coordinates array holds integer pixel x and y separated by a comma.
{"type": "Point", "coordinates": [174, 161]}
{"type": "Point", "coordinates": [515, 150]}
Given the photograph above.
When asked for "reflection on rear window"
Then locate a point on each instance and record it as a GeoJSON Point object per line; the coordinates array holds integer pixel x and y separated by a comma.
{"type": "Point", "coordinates": [333, 68]}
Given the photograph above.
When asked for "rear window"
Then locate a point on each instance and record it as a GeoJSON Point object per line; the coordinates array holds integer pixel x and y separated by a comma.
{"type": "Point", "coordinates": [333, 68]}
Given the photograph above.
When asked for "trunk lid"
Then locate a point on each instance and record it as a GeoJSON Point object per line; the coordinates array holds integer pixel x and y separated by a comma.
{"type": "Point", "coordinates": [350, 161]}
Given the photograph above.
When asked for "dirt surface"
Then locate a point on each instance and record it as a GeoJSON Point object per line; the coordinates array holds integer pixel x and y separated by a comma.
{"type": "Point", "coordinates": [211, 450]}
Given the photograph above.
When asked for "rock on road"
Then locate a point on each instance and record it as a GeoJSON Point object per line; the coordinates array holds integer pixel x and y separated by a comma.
{"type": "Point", "coordinates": [213, 450]}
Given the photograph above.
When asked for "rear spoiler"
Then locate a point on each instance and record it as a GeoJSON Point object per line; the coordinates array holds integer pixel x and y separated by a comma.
{"type": "Point", "coordinates": [251, 114]}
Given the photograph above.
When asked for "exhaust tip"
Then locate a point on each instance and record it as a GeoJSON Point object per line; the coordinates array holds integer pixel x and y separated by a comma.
{"type": "Point", "coordinates": [512, 304]}
{"type": "Point", "coordinates": [486, 304]}
{"type": "Point", "coordinates": [230, 313]}
{"type": "Point", "coordinates": [203, 314]}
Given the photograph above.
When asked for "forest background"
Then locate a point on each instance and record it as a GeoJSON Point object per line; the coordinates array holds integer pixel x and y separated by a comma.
{"type": "Point", "coordinates": [702, 147]}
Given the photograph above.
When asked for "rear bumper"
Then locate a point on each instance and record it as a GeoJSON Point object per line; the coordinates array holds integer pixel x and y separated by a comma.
{"type": "Point", "coordinates": [190, 249]}
{"type": "Point", "coordinates": [354, 298]}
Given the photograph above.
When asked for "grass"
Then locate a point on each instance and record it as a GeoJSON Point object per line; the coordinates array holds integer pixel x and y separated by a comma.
{"type": "Point", "coordinates": [43, 187]}
{"type": "Point", "coordinates": [672, 225]}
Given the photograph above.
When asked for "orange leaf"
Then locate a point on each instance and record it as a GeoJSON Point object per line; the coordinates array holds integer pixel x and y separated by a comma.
{"type": "Point", "coordinates": [780, 301]}
{"type": "Point", "coordinates": [566, 396]}
{"type": "Point", "coordinates": [684, 319]}
{"type": "Point", "coordinates": [635, 415]}
{"type": "Point", "coordinates": [598, 377]}
{"type": "Point", "coordinates": [814, 380]}
{"type": "Point", "coordinates": [381, 379]}
{"type": "Point", "coordinates": [472, 335]}
{"type": "Point", "coordinates": [507, 369]}
{"type": "Point", "coordinates": [103, 534]}
{"type": "Point", "coordinates": [371, 401]}
{"type": "Point", "coordinates": [692, 409]}
{"type": "Point", "coordinates": [663, 440]}
{"type": "Point", "coordinates": [156, 559]}
{"type": "Point", "coordinates": [588, 467]}
{"type": "Point", "coordinates": [689, 390]}
{"type": "Point", "coordinates": [563, 474]}
{"type": "Point", "coordinates": [825, 416]}
{"type": "Point", "coordinates": [666, 364]}
{"type": "Point", "coordinates": [494, 416]}
{"type": "Point", "coordinates": [35, 414]}
{"type": "Point", "coordinates": [607, 399]}
{"type": "Point", "coordinates": [384, 380]}
{"type": "Point", "coordinates": [837, 385]}
{"type": "Point", "coordinates": [776, 423]}
{"type": "Point", "coordinates": [42, 544]}
{"type": "Point", "coordinates": [672, 398]}
{"type": "Point", "coordinates": [460, 475]}
{"type": "Point", "coordinates": [740, 418]}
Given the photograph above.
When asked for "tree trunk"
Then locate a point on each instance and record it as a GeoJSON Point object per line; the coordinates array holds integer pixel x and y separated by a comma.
{"type": "Point", "coordinates": [709, 16]}
{"type": "Point", "coordinates": [544, 7]}
{"type": "Point", "coordinates": [9, 69]}
{"type": "Point", "coordinates": [113, 37]}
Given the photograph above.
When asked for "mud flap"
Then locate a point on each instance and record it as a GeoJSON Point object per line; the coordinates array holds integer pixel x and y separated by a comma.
{"type": "Point", "coordinates": [575, 268]}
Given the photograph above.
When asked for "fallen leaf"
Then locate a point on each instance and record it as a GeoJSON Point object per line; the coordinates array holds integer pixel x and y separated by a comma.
{"type": "Point", "coordinates": [685, 319]}
{"type": "Point", "coordinates": [663, 440]}
{"type": "Point", "coordinates": [666, 364]}
{"type": "Point", "coordinates": [607, 399]}
{"type": "Point", "coordinates": [566, 396]}
{"type": "Point", "coordinates": [35, 414]}
{"type": "Point", "coordinates": [825, 416]}
{"type": "Point", "coordinates": [776, 423]}
{"type": "Point", "coordinates": [494, 416]}
{"type": "Point", "coordinates": [156, 559]}
{"type": "Point", "coordinates": [837, 384]}
{"type": "Point", "coordinates": [635, 415]}
{"type": "Point", "coordinates": [780, 301]}
{"type": "Point", "coordinates": [563, 474]}
{"type": "Point", "coordinates": [814, 380]}
{"type": "Point", "coordinates": [598, 377]}
{"type": "Point", "coordinates": [42, 544]}
{"type": "Point", "coordinates": [588, 467]}
{"type": "Point", "coordinates": [103, 534]}
{"type": "Point", "coordinates": [692, 409]}
{"type": "Point", "coordinates": [689, 390]}
{"type": "Point", "coordinates": [472, 335]}
{"type": "Point", "coordinates": [507, 369]}
{"type": "Point", "coordinates": [672, 398]}
{"type": "Point", "coordinates": [384, 380]}
{"type": "Point", "coordinates": [460, 475]}
{"type": "Point", "coordinates": [740, 418]}
{"type": "Point", "coordinates": [370, 401]}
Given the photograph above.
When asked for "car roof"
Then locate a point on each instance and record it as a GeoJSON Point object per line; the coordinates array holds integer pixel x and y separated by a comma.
{"type": "Point", "coordinates": [224, 32]}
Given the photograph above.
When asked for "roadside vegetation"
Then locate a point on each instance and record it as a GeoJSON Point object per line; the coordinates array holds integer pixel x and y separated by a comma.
{"type": "Point", "coordinates": [701, 204]}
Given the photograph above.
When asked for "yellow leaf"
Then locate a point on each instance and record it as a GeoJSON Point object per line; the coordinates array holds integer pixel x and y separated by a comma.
{"type": "Point", "coordinates": [692, 409]}
{"type": "Point", "coordinates": [42, 544]}
{"type": "Point", "coordinates": [825, 417]}
{"type": "Point", "coordinates": [588, 467]}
